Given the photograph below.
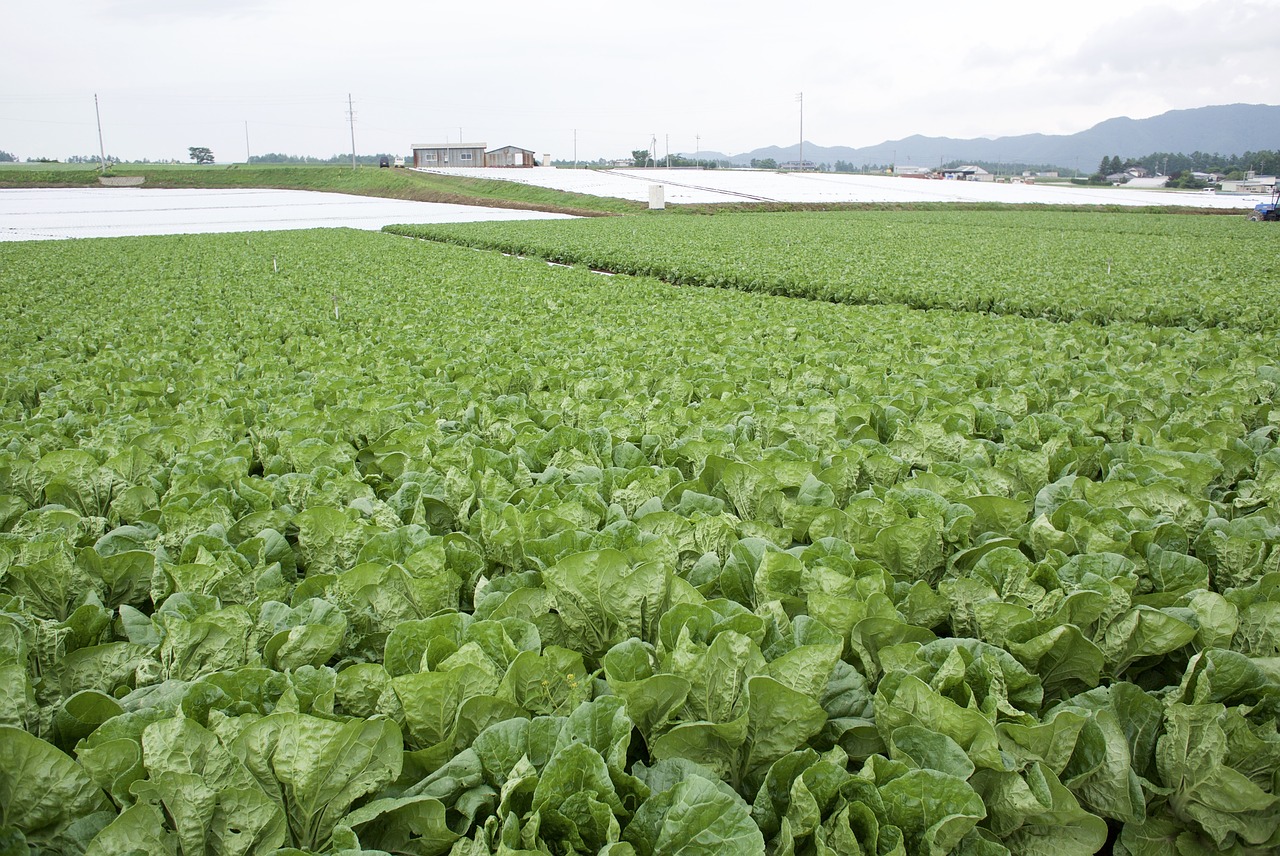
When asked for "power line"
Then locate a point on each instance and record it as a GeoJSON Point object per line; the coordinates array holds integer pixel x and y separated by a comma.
{"type": "Point", "coordinates": [102, 150]}
{"type": "Point", "coordinates": [351, 116]}
{"type": "Point", "coordinates": [800, 98]}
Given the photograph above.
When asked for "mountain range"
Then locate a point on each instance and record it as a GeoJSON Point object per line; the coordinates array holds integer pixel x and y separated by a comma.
{"type": "Point", "coordinates": [1225, 129]}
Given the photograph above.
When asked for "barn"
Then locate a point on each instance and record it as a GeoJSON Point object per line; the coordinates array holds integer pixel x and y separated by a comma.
{"type": "Point", "coordinates": [510, 156]}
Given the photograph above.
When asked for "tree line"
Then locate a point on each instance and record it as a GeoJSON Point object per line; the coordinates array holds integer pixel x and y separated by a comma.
{"type": "Point", "coordinates": [1264, 162]}
{"type": "Point", "coordinates": [277, 157]}
{"type": "Point", "coordinates": [1180, 166]}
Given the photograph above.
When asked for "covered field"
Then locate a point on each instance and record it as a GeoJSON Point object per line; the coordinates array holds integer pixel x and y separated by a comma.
{"type": "Point", "coordinates": [109, 212]}
{"type": "Point", "coordinates": [702, 186]}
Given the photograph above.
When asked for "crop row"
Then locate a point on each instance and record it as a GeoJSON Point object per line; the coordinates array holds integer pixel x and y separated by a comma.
{"type": "Point", "coordinates": [340, 541]}
{"type": "Point", "coordinates": [1165, 270]}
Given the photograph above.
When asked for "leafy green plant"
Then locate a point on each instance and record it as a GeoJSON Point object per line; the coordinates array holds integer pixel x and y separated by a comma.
{"type": "Point", "coordinates": [515, 558]}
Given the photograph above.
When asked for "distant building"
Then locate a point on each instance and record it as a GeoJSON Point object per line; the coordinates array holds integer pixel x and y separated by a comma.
{"type": "Point", "coordinates": [1252, 184]}
{"type": "Point", "coordinates": [1148, 182]}
{"type": "Point", "coordinates": [1128, 175]}
{"type": "Point", "coordinates": [511, 156]}
{"type": "Point", "coordinates": [438, 155]}
{"type": "Point", "coordinates": [967, 173]}
{"type": "Point", "coordinates": [624, 162]}
{"type": "Point", "coordinates": [441, 155]}
{"type": "Point", "coordinates": [798, 166]}
{"type": "Point", "coordinates": [913, 171]}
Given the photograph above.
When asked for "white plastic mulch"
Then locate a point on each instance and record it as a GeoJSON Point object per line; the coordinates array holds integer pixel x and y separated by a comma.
{"type": "Point", "coordinates": [108, 212]}
{"type": "Point", "coordinates": [725, 185]}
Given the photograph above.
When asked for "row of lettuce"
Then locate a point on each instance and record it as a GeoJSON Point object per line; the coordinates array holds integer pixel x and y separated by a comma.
{"type": "Point", "coordinates": [562, 563]}
{"type": "Point", "coordinates": [1166, 270]}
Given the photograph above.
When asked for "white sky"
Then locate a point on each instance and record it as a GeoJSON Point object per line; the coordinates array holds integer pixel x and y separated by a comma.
{"type": "Point", "coordinates": [170, 74]}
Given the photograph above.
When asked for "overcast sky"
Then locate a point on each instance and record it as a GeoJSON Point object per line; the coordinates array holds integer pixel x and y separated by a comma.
{"type": "Point", "coordinates": [725, 76]}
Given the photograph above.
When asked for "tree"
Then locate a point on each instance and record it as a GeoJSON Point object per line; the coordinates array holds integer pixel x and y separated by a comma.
{"type": "Point", "coordinates": [640, 156]}
{"type": "Point", "coordinates": [200, 154]}
{"type": "Point", "coordinates": [766, 163]}
{"type": "Point", "coordinates": [1111, 165]}
{"type": "Point", "coordinates": [8, 157]}
{"type": "Point", "coordinates": [1186, 181]}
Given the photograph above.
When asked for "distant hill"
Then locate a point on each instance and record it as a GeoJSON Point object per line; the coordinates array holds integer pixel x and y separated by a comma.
{"type": "Point", "coordinates": [1225, 129]}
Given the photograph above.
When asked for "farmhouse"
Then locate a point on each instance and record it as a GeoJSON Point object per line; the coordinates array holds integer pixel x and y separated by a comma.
{"type": "Point", "coordinates": [448, 154]}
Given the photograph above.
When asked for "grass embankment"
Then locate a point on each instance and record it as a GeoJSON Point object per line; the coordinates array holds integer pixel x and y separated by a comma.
{"type": "Point", "coordinates": [363, 181]}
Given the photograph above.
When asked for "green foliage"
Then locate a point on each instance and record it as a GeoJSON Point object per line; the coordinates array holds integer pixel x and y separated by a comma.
{"type": "Point", "coordinates": [512, 558]}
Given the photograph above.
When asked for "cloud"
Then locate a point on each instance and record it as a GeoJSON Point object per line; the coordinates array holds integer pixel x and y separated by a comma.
{"type": "Point", "coordinates": [169, 73]}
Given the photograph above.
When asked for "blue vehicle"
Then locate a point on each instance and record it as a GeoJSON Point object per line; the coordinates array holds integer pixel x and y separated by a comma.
{"type": "Point", "coordinates": [1268, 210]}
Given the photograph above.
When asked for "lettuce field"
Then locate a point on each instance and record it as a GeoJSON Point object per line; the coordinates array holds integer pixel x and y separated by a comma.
{"type": "Point", "coordinates": [344, 543]}
{"type": "Point", "coordinates": [1160, 269]}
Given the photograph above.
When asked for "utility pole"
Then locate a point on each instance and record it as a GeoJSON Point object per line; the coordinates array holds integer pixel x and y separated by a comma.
{"type": "Point", "coordinates": [800, 98]}
{"type": "Point", "coordinates": [351, 117]}
{"type": "Point", "coordinates": [667, 143]}
{"type": "Point", "coordinates": [697, 149]}
{"type": "Point", "coordinates": [246, 141]}
{"type": "Point", "coordinates": [102, 151]}
{"type": "Point", "coordinates": [575, 148]}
